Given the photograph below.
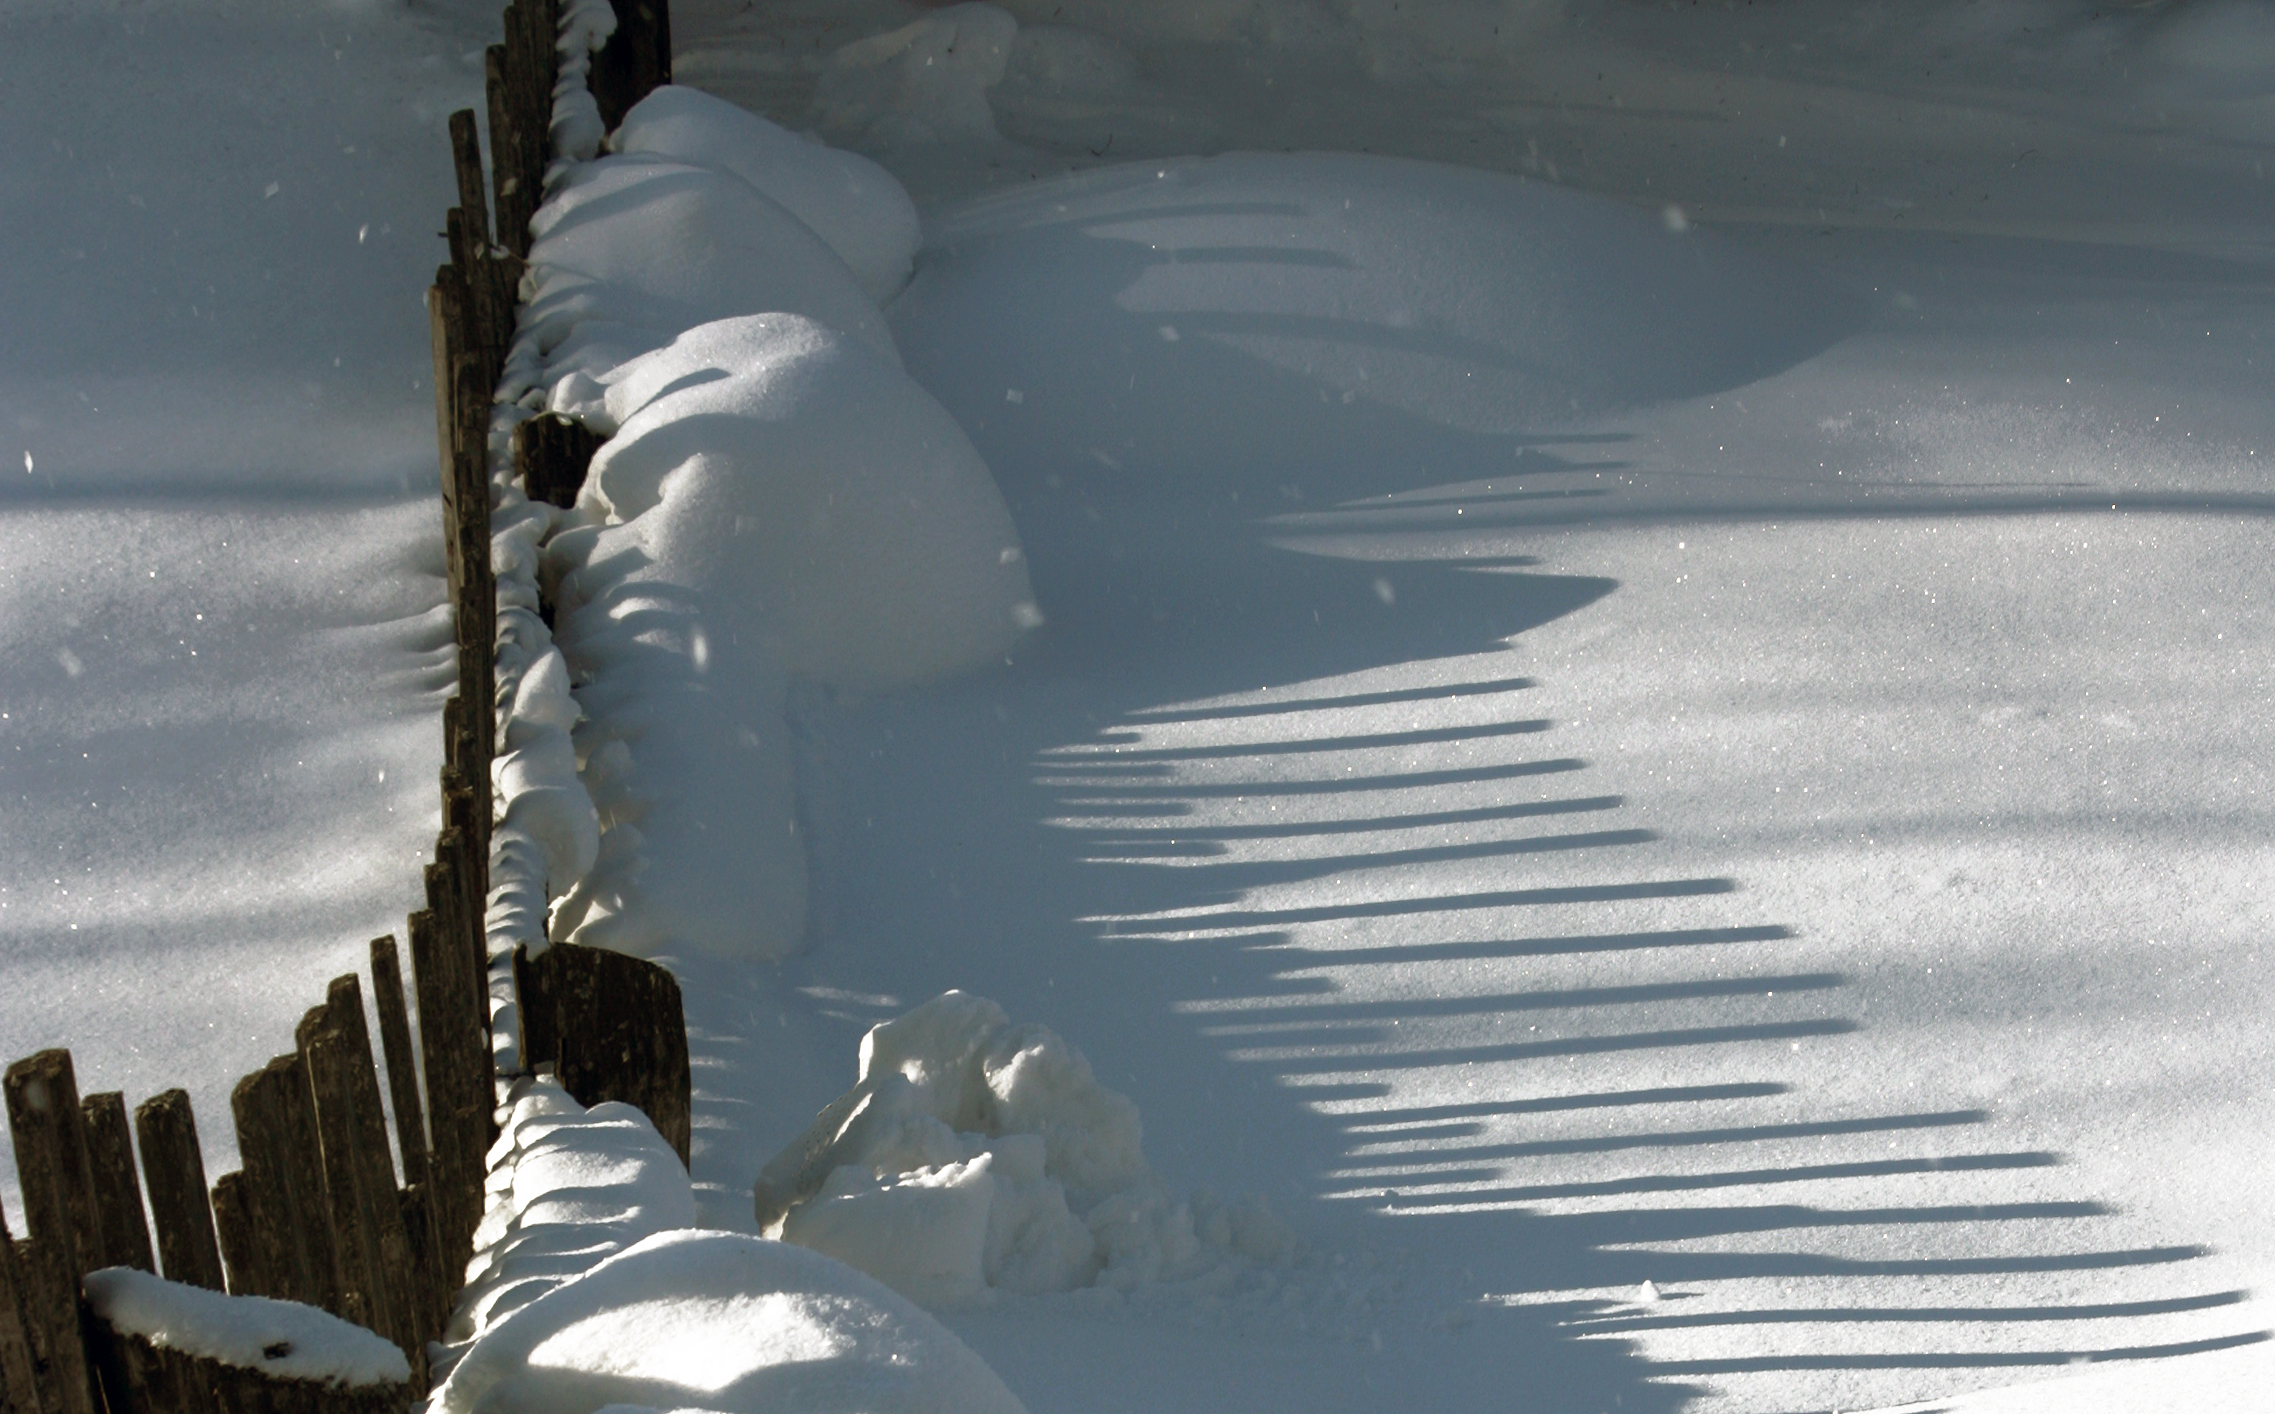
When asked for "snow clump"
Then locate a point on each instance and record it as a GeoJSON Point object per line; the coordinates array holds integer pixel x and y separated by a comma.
{"type": "Point", "coordinates": [975, 1155]}
{"type": "Point", "coordinates": [777, 503]}
{"type": "Point", "coordinates": [721, 1322]}
{"type": "Point", "coordinates": [282, 1339]}
{"type": "Point", "coordinates": [853, 204]}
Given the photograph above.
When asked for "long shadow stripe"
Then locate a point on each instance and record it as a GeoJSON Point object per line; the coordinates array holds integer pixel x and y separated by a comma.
{"type": "Point", "coordinates": [1535, 1050]}
{"type": "Point", "coordinates": [1955, 1359]}
{"type": "Point", "coordinates": [1110, 756]}
{"type": "Point", "coordinates": [1261, 1020]}
{"type": "Point", "coordinates": [1391, 908]}
{"type": "Point", "coordinates": [1300, 958]}
{"type": "Point", "coordinates": [1729, 1178]}
{"type": "Point", "coordinates": [1693, 1138]}
{"type": "Point", "coordinates": [1150, 715]}
{"type": "Point", "coordinates": [1884, 1315]}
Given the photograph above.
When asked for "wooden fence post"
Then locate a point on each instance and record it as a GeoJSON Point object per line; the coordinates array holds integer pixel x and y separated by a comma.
{"type": "Point", "coordinates": [613, 1028]}
{"type": "Point", "coordinates": [52, 1166]}
{"type": "Point", "coordinates": [635, 61]}
{"type": "Point", "coordinates": [242, 1249]}
{"type": "Point", "coordinates": [359, 1175]}
{"type": "Point", "coordinates": [284, 1186]}
{"type": "Point", "coordinates": [120, 1222]}
{"type": "Point", "coordinates": [19, 1364]}
{"type": "Point", "coordinates": [551, 454]}
{"type": "Point", "coordinates": [174, 1172]}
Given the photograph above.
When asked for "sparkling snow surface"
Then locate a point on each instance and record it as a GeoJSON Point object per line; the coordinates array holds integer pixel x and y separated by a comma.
{"type": "Point", "coordinates": [1729, 873]}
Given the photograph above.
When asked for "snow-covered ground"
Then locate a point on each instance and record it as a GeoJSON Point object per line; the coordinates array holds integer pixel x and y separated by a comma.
{"type": "Point", "coordinates": [1708, 733]}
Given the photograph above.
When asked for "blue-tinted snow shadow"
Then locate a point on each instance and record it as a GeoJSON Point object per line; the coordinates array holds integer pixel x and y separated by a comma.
{"type": "Point", "coordinates": [1150, 457]}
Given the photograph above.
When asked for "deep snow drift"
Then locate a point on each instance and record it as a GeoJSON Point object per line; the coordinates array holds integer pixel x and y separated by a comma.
{"type": "Point", "coordinates": [1789, 829]}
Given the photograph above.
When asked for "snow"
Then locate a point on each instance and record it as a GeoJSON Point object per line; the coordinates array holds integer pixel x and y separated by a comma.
{"type": "Point", "coordinates": [630, 251]}
{"type": "Point", "coordinates": [282, 1339]}
{"type": "Point", "coordinates": [1766, 808]}
{"type": "Point", "coordinates": [723, 1322]}
{"type": "Point", "coordinates": [850, 202]}
{"type": "Point", "coordinates": [974, 1155]}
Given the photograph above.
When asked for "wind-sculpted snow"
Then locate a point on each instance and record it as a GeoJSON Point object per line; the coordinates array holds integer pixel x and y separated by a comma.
{"type": "Point", "coordinates": [974, 1155]}
{"type": "Point", "coordinates": [850, 202]}
{"type": "Point", "coordinates": [589, 1289]}
{"type": "Point", "coordinates": [777, 503]}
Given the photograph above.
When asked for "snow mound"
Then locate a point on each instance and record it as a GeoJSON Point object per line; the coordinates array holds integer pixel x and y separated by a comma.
{"type": "Point", "coordinates": [777, 503]}
{"type": "Point", "coordinates": [1198, 316]}
{"type": "Point", "coordinates": [282, 1339]}
{"type": "Point", "coordinates": [568, 1188]}
{"type": "Point", "coordinates": [923, 84]}
{"type": "Point", "coordinates": [776, 465]}
{"type": "Point", "coordinates": [629, 251]}
{"type": "Point", "coordinates": [725, 1322]}
{"type": "Point", "coordinates": [853, 204]}
{"type": "Point", "coordinates": [973, 1154]}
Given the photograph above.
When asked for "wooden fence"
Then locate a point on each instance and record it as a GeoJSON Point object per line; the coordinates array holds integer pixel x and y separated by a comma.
{"type": "Point", "coordinates": [319, 1211]}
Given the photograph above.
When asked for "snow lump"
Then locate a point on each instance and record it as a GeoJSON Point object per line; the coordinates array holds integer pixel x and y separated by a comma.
{"type": "Point", "coordinates": [974, 1155]}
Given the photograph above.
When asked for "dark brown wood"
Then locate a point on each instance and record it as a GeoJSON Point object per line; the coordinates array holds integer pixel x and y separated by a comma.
{"type": "Point", "coordinates": [506, 161]}
{"type": "Point", "coordinates": [120, 1222]}
{"type": "Point", "coordinates": [432, 1290]}
{"type": "Point", "coordinates": [51, 1323]}
{"type": "Point", "coordinates": [635, 61]}
{"type": "Point", "coordinates": [466, 156]}
{"type": "Point", "coordinates": [363, 1284]}
{"type": "Point", "coordinates": [402, 1065]}
{"type": "Point", "coordinates": [241, 1248]}
{"type": "Point", "coordinates": [375, 1255]}
{"type": "Point", "coordinates": [174, 1172]}
{"type": "Point", "coordinates": [448, 1036]}
{"type": "Point", "coordinates": [551, 454]}
{"type": "Point", "coordinates": [290, 1212]}
{"type": "Point", "coordinates": [614, 1029]}
{"type": "Point", "coordinates": [19, 1366]}
{"type": "Point", "coordinates": [52, 1167]}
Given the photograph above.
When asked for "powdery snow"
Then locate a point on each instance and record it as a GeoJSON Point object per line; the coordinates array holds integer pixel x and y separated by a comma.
{"type": "Point", "coordinates": [976, 1155]}
{"type": "Point", "coordinates": [282, 1339]}
{"type": "Point", "coordinates": [721, 1322]}
{"type": "Point", "coordinates": [850, 202]}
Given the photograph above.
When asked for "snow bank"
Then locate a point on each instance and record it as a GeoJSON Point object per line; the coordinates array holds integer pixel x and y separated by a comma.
{"type": "Point", "coordinates": [724, 1322]}
{"type": "Point", "coordinates": [589, 1290]}
{"type": "Point", "coordinates": [568, 1187]}
{"type": "Point", "coordinates": [777, 503]}
{"type": "Point", "coordinates": [282, 1339]}
{"type": "Point", "coordinates": [1263, 309]}
{"type": "Point", "coordinates": [975, 1154]}
{"type": "Point", "coordinates": [922, 84]}
{"type": "Point", "coordinates": [629, 251]}
{"type": "Point", "coordinates": [854, 205]}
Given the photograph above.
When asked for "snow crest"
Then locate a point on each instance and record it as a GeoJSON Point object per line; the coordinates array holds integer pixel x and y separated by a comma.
{"type": "Point", "coordinates": [976, 1155]}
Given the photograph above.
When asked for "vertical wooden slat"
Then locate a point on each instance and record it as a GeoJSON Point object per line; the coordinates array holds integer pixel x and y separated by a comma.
{"type": "Point", "coordinates": [437, 968]}
{"type": "Point", "coordinates": [51, 1159]}
{"type": "Point", "coordinates": [361, 1176]}
{"type": "Point", "coordinates": [614, 1028]}
{"type": "Point", "coordinates": [121, 1223]}
{"type": "Point", "coordinates": [51, 1312]}
{"type": "Point", "coordinates": [242, 1249]}
{"type": "Point", "coordinates": [284, 1184]}
{"type": "Point", "coordinates": [362, 1284]}
{"type": "Point", "coordinates": [402, 1066]}
{"type": "Point", "coordinates": [466, 156]}
{"type": "Point", "coordinates": [636, 59]}
{"type": "Point", "coordinates": [174, 1172]}
{"type": "Point", "coordinates": [551, 454]}
{"type": "Point", "coordinates": [19, 1364]}
{"type": "Point", "coordinates": [505, 154]}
